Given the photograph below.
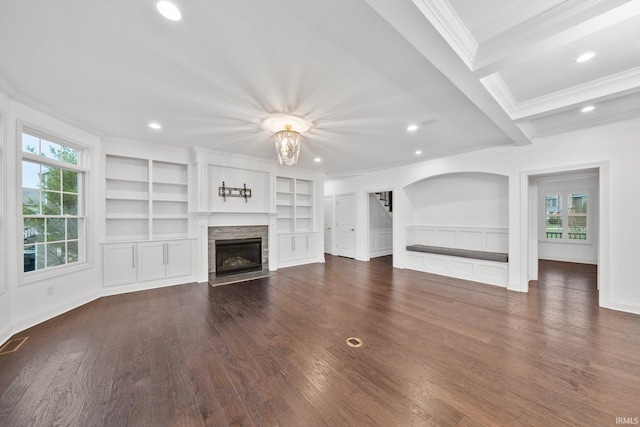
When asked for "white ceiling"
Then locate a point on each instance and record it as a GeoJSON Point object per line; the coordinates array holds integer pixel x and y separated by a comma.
{"type": "Point", "coordinates": [471, 73]}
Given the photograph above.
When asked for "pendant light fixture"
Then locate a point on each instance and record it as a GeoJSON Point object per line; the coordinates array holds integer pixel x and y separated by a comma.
{"type": "Point", "coordinates": [288, 145]}
{"type": "Point", "coordinates": [288, 139]}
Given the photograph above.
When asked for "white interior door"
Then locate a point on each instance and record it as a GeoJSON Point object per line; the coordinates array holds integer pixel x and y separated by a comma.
{"type": "Point", "coordinates": [328, 221]}
{"type": "Point", "coordinates": [346, 225]}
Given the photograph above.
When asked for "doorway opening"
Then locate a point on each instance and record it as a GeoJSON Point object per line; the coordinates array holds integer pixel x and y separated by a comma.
{"type": "Point", "coordinates": [380, 223]}
{"type": "Point", "coordinates": [564, 228]}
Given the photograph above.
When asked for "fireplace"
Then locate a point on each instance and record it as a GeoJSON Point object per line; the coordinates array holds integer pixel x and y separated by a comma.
{"type": "Point", "coordinates": [238, 256]}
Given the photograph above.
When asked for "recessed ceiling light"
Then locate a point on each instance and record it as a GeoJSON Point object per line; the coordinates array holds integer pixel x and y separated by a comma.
{"type": "Point", "coordinates": [154, 125]}
{"type": "Point", "coordinates": [169, 10]}
{"type": "Point", "coordinates": [588, 108]}
{"type": "Point", "coordinates": [317, 160]}
{"type": "Point", "coordinates": [412, 128]}
{"type": "Point", "coordinates": [418, 152]}
{"type": "Point", "coordinates": [585, 57]}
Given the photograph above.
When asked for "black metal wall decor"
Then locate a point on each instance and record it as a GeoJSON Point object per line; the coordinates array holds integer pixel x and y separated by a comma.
{"type": "Point", "coordinates": [225, 192]}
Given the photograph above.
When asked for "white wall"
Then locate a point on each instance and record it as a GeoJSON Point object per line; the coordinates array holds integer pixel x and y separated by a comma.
{"type": "Point", "coordinates": [612, 148]}
{"type": "Point", "coordinates": [43, 296]}
{"type": "Point", "coordinates": [378, 216]}
{"type": "Point", "coordinates": [256, 181]}
{"type": "Point", "coordinates": [448, 200]}
{"type": "Point", "coordinates": [5, 308]}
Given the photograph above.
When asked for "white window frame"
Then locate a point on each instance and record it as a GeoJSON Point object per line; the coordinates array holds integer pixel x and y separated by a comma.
{"type": "Point", "coordinates": [564, 195]}
{"type": "Point", "coordinates": [82, 160]}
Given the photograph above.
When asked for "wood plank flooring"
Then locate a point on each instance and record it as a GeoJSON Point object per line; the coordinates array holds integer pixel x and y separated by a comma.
{"type": "Point", "coordinates": [272, 352]}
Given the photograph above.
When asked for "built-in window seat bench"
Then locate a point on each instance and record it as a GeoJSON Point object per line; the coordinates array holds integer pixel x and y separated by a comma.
{"type": "Point", "coordinates": [474, 253]}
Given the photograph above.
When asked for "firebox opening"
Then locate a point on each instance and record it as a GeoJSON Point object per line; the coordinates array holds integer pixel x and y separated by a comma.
{"type": "Point", "coordinates": [238, 256]}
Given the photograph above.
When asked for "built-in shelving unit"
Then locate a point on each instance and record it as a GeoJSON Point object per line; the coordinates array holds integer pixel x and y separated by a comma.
{"type": "Point", "coordinates": [294, 204]}
{"type": "Point", "coordinates": [169, 201]}
{"type": "Point", "coordinates": [145, 199]}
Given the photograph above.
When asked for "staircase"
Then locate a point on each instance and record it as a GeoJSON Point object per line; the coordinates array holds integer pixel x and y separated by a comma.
{"type": "Point", "coordinates": [386, 201]}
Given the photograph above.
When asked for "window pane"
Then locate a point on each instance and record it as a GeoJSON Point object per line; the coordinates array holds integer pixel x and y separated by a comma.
{"type": "Point", "coordinates": [55, 229]}
{"type": "Point", "coordinates": [577, 229]}
{"type": "Point", "coordinates": [577, 203]}
{"type": "Point", "coordinates": [30, 175]}
{"type": "Point", "coordinates": [30, 201]}
{"type": "Point", "coordinates": [554, 227]}
{"type": "Point", "coordinates": [51, 203]}
{"type": "Point", "coordinates": [39, 257]}
{"type": "Point", "coordinates": [33, 230]}
{"type": "Point", "coordinates": [68, 155]}
{"type": "Point", "coordinates": [70, 204]}
{"type": "Point", "coordinates": [50, 178]}
{"type": "Point", "coordinates": [69, 181]}
{"type": "Point", "coordinates": [55, 254]}
{"type": "Point", "coordinates": [72, 228]}
{"type": "Point", "coordinates": [29, 258]}
{"type": "Point", "coordinates": [30, 144]}
{"type": "Point", "coordinates": [72, 252]}
{"type": "Point", "coordinates": [50, 149]}
{"type": "Point", "coordinates": [554, 204]}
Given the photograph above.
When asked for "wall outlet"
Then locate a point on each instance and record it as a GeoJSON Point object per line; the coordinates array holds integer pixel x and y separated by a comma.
{"type": "Point", "coordinates": [49, 290]}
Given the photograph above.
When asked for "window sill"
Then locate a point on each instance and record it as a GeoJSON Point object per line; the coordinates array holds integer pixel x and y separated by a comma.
{"type": "Point", "coordinates": [53, 272]}
{"type": "Point", "coordinates": [567, 242]}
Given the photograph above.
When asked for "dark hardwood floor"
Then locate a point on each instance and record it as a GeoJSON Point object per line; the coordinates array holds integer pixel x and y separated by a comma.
{"type": "Point", "coordinates": [272, 351]}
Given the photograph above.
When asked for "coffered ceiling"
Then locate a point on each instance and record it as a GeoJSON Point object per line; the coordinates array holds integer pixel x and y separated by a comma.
{"type": "Point", "coordinates": [524, 53]}
{"type": "Point", "coordinates": [470, 73]}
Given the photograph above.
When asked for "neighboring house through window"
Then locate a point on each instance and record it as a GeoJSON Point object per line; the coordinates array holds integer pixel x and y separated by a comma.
{"type": "Point", "coordinates": [52, 202]}
{"type": "Point", "coordinates": [566, 216]}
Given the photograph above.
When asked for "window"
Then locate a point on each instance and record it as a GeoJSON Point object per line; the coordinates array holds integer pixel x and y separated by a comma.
{"type": "Point", "coordinates": [52, 203]}
{"type": "Point", "coordinates": [568, 224]}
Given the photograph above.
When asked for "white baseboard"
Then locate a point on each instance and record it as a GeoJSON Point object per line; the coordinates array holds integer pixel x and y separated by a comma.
{"type": "Point", "coordinates": [51, 312]}
{"type": "Point", "coordinates": [145, 286]}
{"type": "Point", "coordinates": [624, 306]}
{"type": "Point", "coordinates": [5, 334]}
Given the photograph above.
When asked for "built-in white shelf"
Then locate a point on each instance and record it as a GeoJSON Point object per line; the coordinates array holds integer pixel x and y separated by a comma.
{"type": "Point", "coordinates": [145, 199]}
{"type": "Point", "coordinates": [294, 204]}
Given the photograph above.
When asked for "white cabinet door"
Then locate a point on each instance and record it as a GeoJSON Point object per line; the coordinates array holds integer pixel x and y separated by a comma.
{"type": "Point", "coordinates": [119, 264]}
{"type": "Point", "coordinates": [285, 248]}
{"type": "Point", "coordinates": [299, 246]}
{"type": "Point", "coordinates": [151, 260]}
{"type": "Point", "coordinates": [311, 246]}
{"type": "Point", "coordinates": [178, 258]}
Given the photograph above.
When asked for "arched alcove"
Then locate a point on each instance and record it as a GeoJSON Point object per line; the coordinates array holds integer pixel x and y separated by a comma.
{"type": "Point", "coordinates": [467, 199]}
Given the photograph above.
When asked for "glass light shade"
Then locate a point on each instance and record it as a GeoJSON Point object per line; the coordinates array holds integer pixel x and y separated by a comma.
{"type": "Point", "coordinates": [288, 146]}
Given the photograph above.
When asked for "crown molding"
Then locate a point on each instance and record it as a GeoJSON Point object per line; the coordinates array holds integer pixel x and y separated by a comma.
{"type": "Point", "coordinates": [59, 115]}
{"type": "Point", "coordinates": [556, 26]}
{"type": "Point", "coordinates": [447, 22]}
{"type": "Point", "coordinates": [601, 89]}
{"type": "Point", "coordinates": [7, 88]}
{"type": "Point", "coordinates": [500, 92]}
{"type": "Point", "coordinates": [627, 115]}
{"type": "Point", "coordinates": [608, 87]}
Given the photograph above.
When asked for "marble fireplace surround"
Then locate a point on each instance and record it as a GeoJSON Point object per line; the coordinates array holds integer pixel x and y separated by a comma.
{"type": "Point", "coordinates": [236, 232]}
{"type": "Point", "coordinates": [234, 225]}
